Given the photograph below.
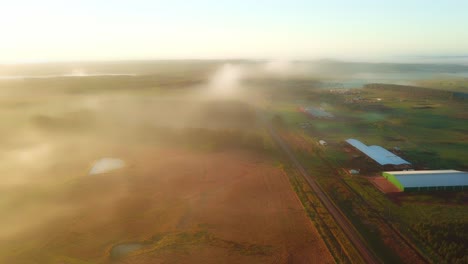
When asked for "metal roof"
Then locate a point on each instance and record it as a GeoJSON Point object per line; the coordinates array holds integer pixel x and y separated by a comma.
{"type": "Point", "coordinates": [377, 153]}
{"type": "Point", "coordinates": [424, 172]}
{"type": "Point", "coordinates": [318, 112]}
{"type": "Point", "coordinates": [435, 178]}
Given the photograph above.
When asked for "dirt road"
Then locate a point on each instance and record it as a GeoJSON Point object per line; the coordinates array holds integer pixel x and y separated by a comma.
{"type": "Point", "coordinates": [342, 221]}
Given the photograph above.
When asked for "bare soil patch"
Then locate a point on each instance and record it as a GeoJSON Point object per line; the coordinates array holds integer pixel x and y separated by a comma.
{"type": "Point", "coordinates": [185, 206]}
{"type": "Point", "coordinates": [383, 185]}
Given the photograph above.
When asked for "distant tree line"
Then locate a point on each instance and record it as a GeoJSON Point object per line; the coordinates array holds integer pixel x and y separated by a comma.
{"type": "Point", "coordinates": [416, 90]}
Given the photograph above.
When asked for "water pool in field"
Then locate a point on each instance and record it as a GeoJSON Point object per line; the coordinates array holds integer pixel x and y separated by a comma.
{"type": "Point", "coordinates": [122, 250]}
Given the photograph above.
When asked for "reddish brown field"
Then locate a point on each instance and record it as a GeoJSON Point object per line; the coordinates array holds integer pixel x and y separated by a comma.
{"type": "Point", "coordinates": [184, 206]}
{"type": "Point", "coordinates": [383, 185]}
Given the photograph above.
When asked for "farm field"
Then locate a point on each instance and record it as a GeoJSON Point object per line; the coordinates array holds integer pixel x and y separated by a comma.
{"type": "Point", "coordinates": [201, 181]}
{"type": "Point", "coordinates": [386, 117]}
{"type": "Point", "coordinates": [243, 132]}
{"type": "Point", "coordinates": [433, 138]}
{"type": "Point", "coordinates": [451, 84]}
{"type": "Point", "coordinates": [182, 205]}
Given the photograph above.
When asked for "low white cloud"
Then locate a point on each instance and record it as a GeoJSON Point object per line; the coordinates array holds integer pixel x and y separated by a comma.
{"type": "Point", "coordinates": [226, 80]}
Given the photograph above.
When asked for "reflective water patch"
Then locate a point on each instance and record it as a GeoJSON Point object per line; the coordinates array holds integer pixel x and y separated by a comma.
{"type": "Point", "coordinates": [106, 165]}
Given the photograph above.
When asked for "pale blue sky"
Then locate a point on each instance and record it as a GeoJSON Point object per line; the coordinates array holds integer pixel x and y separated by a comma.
{"type": "Point", "coordinates": [144, 29]}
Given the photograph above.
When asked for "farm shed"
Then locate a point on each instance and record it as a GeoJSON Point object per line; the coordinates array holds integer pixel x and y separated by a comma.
{"type": "Point", "coordinates": [378, 154]}
{"type": "Point", "coordinates": [428, 180]}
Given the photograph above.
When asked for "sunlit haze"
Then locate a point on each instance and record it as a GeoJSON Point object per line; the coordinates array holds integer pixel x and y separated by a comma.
{"type": "Point", "coordinates": [240, 131]}
{"type": "Point", "coordinates": [120, 30]}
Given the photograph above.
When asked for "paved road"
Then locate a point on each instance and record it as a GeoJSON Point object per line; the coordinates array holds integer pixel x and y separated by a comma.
{"type": "Point", "coordinates": [342, 221]}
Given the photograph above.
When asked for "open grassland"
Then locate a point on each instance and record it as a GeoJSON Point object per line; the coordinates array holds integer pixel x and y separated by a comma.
{"type": "Point", "coordinates": [450, 84]}
{"type": "Point", "coordinates": [433, 138]}
{"type": "Point", "coordinates": [400, 228]}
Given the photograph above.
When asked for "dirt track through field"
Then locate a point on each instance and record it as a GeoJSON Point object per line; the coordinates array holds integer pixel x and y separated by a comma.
{"type": "Point", "coordinates": [345, 225]}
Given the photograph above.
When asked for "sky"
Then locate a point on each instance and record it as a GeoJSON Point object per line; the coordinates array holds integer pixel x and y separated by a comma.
{"type": "Point", "coordinates": [51, 30]}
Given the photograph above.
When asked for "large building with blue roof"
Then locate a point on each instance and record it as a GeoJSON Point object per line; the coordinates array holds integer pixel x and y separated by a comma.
{"type": "Point", "coordinates": [378, 154]}
{"type": "Point", "coordinates": [428, 180]}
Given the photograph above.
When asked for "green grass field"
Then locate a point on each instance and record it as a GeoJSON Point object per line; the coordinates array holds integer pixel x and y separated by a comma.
{"type": "Point", "coordinates": [439, 132]}
{"type": "Point", "coordinates": [433, 138]}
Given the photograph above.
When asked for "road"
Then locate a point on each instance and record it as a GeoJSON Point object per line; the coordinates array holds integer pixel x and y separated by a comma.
{"type": "Point", "coordinates": [342, 221]}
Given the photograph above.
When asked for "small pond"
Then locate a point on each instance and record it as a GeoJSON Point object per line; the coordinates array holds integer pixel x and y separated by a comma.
{"type": "Point", "coordinates": [122, 250]}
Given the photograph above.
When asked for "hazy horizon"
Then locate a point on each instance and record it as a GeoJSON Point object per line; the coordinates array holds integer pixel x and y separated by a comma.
{"type": "Point", "coordinates": [234, 131]}
{"type": "Point", "coordinates": [286, 30]}
{"type": "Point", "coordinates": [461, 60]}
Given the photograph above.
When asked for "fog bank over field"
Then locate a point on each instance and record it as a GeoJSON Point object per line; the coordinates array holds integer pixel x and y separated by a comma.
{"type": "Point", "coordinates": [47, 119]}
{"type": "Point", "coordinates": [350, 73]}
{"type": "Point", "coordinates": [57, 128]}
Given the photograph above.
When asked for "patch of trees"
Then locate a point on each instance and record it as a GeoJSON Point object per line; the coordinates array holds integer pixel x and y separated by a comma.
{"type": "Point", "coordinates": [447, 241]}
{"type": "Point", "coordinates": [411, 90]}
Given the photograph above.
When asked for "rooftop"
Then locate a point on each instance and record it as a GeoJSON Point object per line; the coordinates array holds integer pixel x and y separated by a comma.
{"type": "Point", "coordinates": [377, 153]}
{"type": "Point", "coordinates": [431, 178]}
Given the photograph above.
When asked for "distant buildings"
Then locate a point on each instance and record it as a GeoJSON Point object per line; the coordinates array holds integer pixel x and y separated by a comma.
{"type": "Point", "coordinates": [316, 112]}
{"type": "Point", "coordinates": [405, 179]}
{"type": "Point", "coordinates": [380, 155]}
{"type": "Point", "coordinates": [322, 142]}
{"type": "Point", "coordinates": [428, 180]}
